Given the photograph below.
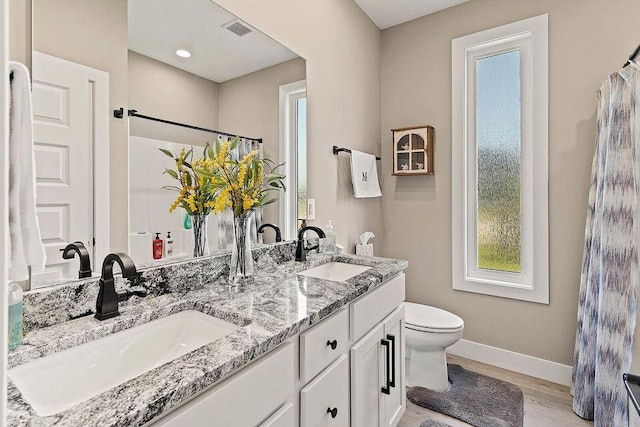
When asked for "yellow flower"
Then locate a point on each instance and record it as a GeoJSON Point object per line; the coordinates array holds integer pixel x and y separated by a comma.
{"type": "Point", "coordinates": [222, 155]}
{"type": "Point", "coordinates": [222, 201]}
{"type": "Point", "coordinates": [247, 202]}
{"type": "Point", "coordinates": [191, 201]}
{"type": "Point", "coordinates": [242, 174]}
{"type": "Point", "coordinates": [176, 203]}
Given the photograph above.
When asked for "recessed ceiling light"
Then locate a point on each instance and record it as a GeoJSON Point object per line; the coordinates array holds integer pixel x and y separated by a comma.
{"type": "Point", "coordinates": [183, 53]}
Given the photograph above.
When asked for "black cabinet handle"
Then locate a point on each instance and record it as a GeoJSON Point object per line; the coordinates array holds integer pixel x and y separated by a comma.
{"type": "Point", "coordinates": [392, 382]}
{"type": "Point", "coordinates": [333, 344]}
{"type": "Point", "coordinates": [385, 389]}
{"type": "Point", "coordinates": [333, 412]}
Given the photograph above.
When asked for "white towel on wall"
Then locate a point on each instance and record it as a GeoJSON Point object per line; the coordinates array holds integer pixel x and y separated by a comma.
{"type": "Point", "coordinates": [26, 247]}
{"type": "Point", "coordinates": [364, 175]}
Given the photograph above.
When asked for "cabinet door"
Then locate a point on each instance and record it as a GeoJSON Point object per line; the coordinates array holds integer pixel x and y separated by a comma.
{"type": "Point", "coordinates": [324, 402]}
{"type": "Point", "coordinates": [367, 379]}
{"type": "Point", "coordinates": [394, 403]}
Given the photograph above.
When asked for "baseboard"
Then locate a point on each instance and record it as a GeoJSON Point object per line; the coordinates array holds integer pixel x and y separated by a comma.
{"type": "Point", "coordinates": [517, 362]}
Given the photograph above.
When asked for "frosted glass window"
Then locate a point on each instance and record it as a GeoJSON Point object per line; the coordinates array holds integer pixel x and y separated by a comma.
{"type": "Point", "coordinates": [498, 139]}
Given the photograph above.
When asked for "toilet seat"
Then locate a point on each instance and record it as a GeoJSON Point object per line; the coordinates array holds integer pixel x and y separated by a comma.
{"type": "Point", "coordinates": [425, 318]}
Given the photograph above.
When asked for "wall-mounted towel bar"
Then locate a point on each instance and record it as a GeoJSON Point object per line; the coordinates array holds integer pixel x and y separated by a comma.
{"type": "Point", "coordinates": [119, 114]}
{"type": "Point", "coordinates": [337, 150]}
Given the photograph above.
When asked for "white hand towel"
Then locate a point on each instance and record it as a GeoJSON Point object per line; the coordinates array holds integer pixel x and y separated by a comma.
{"type": "Point", "coordinates": [364, 175]}
{"type": "Point", "coordinates": [25, 243]}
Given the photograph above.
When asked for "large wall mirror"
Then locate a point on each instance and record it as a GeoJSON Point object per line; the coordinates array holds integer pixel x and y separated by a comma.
{"type": "Point", "coordinates": [185, 73]}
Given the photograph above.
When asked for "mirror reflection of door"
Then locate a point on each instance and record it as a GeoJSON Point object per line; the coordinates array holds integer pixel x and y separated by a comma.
{"type": "Point", "coordinates": [67, 98]}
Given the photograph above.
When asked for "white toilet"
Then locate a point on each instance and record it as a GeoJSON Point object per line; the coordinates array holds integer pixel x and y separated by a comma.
{"type": "Point", "coordinates": [428, 332]}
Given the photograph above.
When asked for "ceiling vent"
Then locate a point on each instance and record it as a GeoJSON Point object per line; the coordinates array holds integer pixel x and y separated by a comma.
{"type": "Point", "coordinates": [238, 27]}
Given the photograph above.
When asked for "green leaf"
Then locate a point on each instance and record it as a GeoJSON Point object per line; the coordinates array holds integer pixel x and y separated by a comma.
{"type": "Point", "coordinates": [171, 172]}
{"type": "Point", "coordinates": [167, 152]}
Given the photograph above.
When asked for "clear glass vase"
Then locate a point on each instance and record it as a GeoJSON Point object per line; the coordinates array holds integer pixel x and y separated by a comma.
{"type": "Point", "coordinates": [241, 268]}
{"type": "Point", "coordinates": [200, 235]}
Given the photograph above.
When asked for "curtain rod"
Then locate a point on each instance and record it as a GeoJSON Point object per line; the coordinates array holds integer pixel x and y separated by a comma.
{"type": "Point", "coordinates": [119, 114]}
{"type": "Point", "coordinates": [337, 150]}
{"type": "Point", "coordinates": [632, 56]}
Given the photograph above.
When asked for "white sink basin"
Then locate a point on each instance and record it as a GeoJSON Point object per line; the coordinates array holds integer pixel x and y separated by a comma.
{"type": "Point", "coordinates": [335, 271]}
{"type": "Point", "coordinates": [57, 382]}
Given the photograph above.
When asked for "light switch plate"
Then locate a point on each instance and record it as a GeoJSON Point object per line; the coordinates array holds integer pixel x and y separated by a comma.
{"type": "Point", "coordinates": [311, 208]}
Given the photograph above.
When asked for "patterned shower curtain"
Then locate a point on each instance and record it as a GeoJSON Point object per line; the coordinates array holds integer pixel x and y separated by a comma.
{"type": "Point", "coordinates": [225, 219]}
{"type": "Point", "coordinates": [609, 279]}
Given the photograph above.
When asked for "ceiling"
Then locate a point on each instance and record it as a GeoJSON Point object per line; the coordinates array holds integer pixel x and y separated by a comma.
{"type": "Point", "coordinates": [387, 13]}
{"type": "Point", "coordinates": [157, 28]}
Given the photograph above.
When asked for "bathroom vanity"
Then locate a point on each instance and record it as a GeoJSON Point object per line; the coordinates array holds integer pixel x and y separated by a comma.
{"type": "Point", "coordinates": [319, 342]}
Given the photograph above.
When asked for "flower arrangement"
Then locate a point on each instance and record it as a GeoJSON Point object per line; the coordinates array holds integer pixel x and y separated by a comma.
{"type": "Point", "coordinates": [217, 181]}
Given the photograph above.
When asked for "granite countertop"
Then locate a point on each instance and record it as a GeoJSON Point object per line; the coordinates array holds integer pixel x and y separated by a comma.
{"type": "Point", "coordinates": [277, 306]}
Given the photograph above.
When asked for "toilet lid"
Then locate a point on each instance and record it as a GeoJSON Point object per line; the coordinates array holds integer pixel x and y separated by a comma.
{"type": "Point", "coordinates": [418, 316]}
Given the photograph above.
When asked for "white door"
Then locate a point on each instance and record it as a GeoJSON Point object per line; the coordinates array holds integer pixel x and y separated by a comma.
{"type": "Point", "coordinates": [64, 107]}
{"type": "Point", "coordinates": [367, 379]}
{"type": "Point", "coordinates": [394, 403]}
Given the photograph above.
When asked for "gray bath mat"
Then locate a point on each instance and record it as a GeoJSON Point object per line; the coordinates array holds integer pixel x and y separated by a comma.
{"type": "Point", "coordinates": [433, 423]}
{"type": "Point", "coordinates": [474, 398]}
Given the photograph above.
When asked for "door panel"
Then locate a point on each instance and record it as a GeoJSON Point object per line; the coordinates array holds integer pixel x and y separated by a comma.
{"type": "Point", "coordinates": [394, 404]}
{"type": "Point", "coordinates": [63, 144]}
{"type": "Point", "coordinates": [367, 373]}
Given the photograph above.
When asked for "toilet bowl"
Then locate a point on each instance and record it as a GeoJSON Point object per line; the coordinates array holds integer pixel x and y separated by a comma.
{"type": "Point", "coordinates": [428, 332]}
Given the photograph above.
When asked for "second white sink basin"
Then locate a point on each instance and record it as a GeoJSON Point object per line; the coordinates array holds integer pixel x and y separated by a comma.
{"type": "Point", "coordinates": [59, 381]}
{"type": "Point", "coordinates": [335, 271]}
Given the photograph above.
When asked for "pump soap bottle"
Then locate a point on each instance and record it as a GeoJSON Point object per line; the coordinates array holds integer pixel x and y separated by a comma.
{"type": "Point", "coordinates": [157, 247]}
{"type": "Point", "coordinates": [16, 312]}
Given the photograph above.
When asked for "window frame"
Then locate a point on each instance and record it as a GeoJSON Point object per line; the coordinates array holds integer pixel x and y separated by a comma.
{"type": "Point", "coordinates": [530, 36]}
{"type": "Point", "coordinates": [288, 201]}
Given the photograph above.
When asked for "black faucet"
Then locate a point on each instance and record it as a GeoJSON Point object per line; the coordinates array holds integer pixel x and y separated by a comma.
{"type": "Point", "coordinates": [301, 252]}
{"type": "Point", "coordinates": [275, 228]}
{"type": "Point", "coordinates": [108, 297]}
{"type": "Point", "coordinates": [83, 253]}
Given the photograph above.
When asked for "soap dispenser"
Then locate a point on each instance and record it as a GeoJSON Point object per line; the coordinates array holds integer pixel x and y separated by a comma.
{"type": "Point", "coordinates": [16, 312]}
{"type": "Point", "coordinates": [157, 247]}
{"type": "Point", "coordinates": [330, 238]}
{"type": "Point", "coordinates": [168, 246]}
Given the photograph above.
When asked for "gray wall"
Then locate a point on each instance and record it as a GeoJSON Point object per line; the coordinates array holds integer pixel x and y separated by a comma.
{"type": "Point", "coordinates": [249, 105]}
{"type": "Point", "coordinates": [587, 42]}
{"type": "Point", "coordinates": [161, 90]}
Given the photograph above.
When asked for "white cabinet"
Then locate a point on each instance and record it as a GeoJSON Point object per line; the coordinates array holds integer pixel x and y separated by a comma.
{"type": "Point", "coordinates": [377, 367]}
{"type": "Point", "coordinates": [367, 379]}
{"type": "Point", "coordinates": [284, 417]}
{"type": "Point", "coordinates": [244, 399]}
{"type": "Point", "coordinates": [394, 403]}
{"type": "Point", "coordinates": [323, 344]}
{"type": "Point", "coordinates": [325, 400]}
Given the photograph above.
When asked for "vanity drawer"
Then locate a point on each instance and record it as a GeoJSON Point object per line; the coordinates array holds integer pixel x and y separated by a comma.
{"type": "Point", "coordinates": [316, 344]}
{"type": "Point", "coordinates": [284, 417]}
{"type": "Point", "coordinates": [262, 388]}
{"type": "Point", "coordinates": [371, 309]}
{"type": "Point", "coordinates": [329, 391]}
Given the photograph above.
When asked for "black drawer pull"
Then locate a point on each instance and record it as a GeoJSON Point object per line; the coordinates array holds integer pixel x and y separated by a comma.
{"type": "Point", "coordinates": [333, 412]}
{"type": "Point", "coordinates": [385, 388]}
{"type": "Point", "coordinates": [392, 382]}
{"type": "Point", "coordinates": [333, 344]}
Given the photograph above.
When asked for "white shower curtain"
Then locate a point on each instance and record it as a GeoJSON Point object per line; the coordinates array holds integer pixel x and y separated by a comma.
{"type": "Point", "coordinates": [609, 279]}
